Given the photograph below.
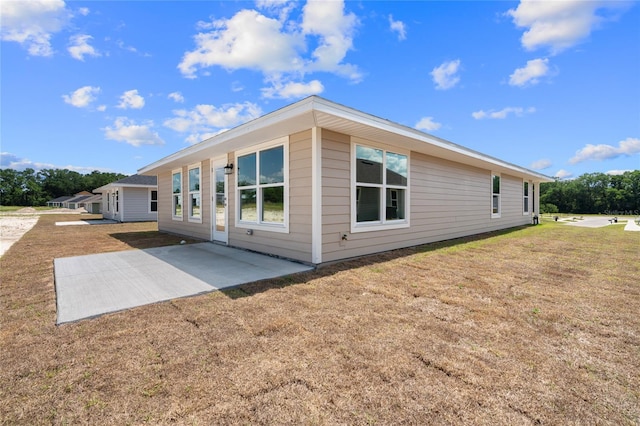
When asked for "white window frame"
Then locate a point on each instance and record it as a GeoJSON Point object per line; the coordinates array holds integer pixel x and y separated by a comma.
{"type": "Point", "coordinates": [258, 224]}
{"type": "Point", "coordinates": [151, 200]}
{"type": "Point", "coordinates": [174, 216]}
{"type": "Point", "coordinates": [382, 224]}
{"type": "Point", "coordinates": [526, 197]}
{"type": "Point", "coordinates": [108, 201]}
{"type": "Point", "coordinates": [190, 193]}
{"type": "Point", "coordinates": [499, 195]}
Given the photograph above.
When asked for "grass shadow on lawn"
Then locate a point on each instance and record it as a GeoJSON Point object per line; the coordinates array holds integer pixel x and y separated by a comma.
{"type": "Point", "coordinates": [334, 268]}
{"type": "Point", "coordinates": [149, 239]}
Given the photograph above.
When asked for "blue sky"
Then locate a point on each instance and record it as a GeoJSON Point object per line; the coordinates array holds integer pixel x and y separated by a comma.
{"type": "Point", "coordinates": [116, 85]}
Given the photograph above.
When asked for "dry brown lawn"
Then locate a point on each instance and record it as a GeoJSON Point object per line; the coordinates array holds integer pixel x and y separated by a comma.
{"type": "Point", "coordinates": [538, 325]}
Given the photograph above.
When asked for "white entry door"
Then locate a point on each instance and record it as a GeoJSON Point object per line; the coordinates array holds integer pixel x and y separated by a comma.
{"type": "Point", "coordinates": [220, 184]}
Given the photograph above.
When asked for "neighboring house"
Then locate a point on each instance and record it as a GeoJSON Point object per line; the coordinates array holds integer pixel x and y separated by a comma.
{"type": "Point", "coordinates": [70, 201]}
{"type": "Point", "coordinates": [58, 202]}
{"type": "Point", "coordinates": [131, 199]}
{"type": "Point", "coordinates": [318, 182]}
{"type": "Point", "coordinates": [75, 201]}
{"type": "Point", "coordinates": [93, 204]}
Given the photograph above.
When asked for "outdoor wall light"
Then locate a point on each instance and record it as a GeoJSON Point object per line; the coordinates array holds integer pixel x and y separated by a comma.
{"type": "Point", "coordinates": [228, 169]}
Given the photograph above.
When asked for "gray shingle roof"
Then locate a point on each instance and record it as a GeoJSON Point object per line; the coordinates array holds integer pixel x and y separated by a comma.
{"type": "Point", "coordinates": [137, 180]}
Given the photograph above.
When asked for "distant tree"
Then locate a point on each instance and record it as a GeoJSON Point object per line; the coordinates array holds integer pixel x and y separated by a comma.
{"type": "Point", "coordinates": [595, 193]}
{"type": "Point", "coordinates": [28, 188]}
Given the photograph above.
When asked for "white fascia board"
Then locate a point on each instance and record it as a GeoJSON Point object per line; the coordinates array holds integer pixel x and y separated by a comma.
{"type": "Point", "coordinates": [283, 114]}
{"type": "Point", "coordinates": [314, 105]}
{"type": "Point", "coordinates": [350, 114]}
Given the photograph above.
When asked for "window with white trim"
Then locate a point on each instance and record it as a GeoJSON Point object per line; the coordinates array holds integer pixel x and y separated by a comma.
{"type": "Point", "coordinates": [262, 188]}
{"type": "Point", "coordinates": [380, 183]}
{"type": "Point", "coordinates": [195, 213]}
{"type": "Point", "coordinates": [495, 195]}
{"type": "Point", "coordinates": [176, 198]}
{"type": "Point", "coordinates": [153, 200]}
{"type": "Point", "coordinates": [117, 198]}
{"type": "Point", "coordinates": [525, 197]}
{"type": "Point", "coordinates": [108, 201]}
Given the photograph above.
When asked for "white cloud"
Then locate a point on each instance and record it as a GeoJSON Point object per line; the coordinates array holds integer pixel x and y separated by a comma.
{"type": "Point", "coordinates": [560, 24]}
{"type": "Point", "coordinates": [131, 99]}
{"type": "Point", "coordinates": [277, 48]}
{"type": "Point", "coordinates": [11, 161]}
{"type": "Point", "coordinates": [126, 130]}
{"type": "Point", "coordinates": [427, 124]}
{"type": "Point", "coordinates": [79, 47]}
{"type": "Point", "coordinates": [334, 28]}
{"type": "Point", "coordinates": [398, 27]}
{"type": "Point", "coordinates": [562, 174]}
{"type": "Point", "coordinates": [32, 23]}
{"type": "Point", "coordinates": [531, 73]}
{"type": "Point", "coordinates": [617, 172]}
{"type": "Point", "coordinates": [626, 148]}
{"type": "Point", "coordinates": [247, 40]}
{"type": "Point", "coordinates": [177, 97]}
{"type": "Point", "coordinates": [292, 90]}
{"type": "Point", "coordinates": [102, 108]}
{"type": "Point", "coordinates": [541, 164]}
{"type": "Point", "coordinates": [207, 120]}
{"type": "Point", "coordinates": [445, 75]}
{"type": "Point", "coordinates": [503, 113]}
{"type": "Point", "coordinates": [82, 97]}
{"type": "Point", "coordinates": [84, 11]}
{"type": "Point", "coordinates": [281, 8]}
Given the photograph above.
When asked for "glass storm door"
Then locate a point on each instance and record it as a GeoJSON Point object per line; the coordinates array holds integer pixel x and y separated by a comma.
{"type": "Point", "coordinates": [219, 200]}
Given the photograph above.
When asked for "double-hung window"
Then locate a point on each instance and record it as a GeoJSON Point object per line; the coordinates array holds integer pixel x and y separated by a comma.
{"type": "Point", "coordinates": [176, 203]}
{"type": "Point", "coordinates": [380, 197]}
{"type": "Point", "coordinates": [525, 197]}
{"type": "Point", "coordinates": [262, 188]}
{"type": "Point", "coordinates": [495, 195]}
{"type": "Point", "coordinates": [195, 214]}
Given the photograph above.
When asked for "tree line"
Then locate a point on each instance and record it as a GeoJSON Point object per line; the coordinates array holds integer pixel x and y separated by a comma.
{"type": "Point", "coordinates": [591, 193]}
{"type": "Point", "coordinates": [31, 188]}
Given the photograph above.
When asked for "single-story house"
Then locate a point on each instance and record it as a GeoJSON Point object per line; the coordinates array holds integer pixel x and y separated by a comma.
{"type": "Point", "coordinates": [76, 200]}
{"type": "Point", "coordinates": [93, 204]}
{"type": "Point", "coordinates": [90, 202]}
{"type": "Point", "coordinates": [131, 199]}
{"type": "Point", "coordinates": [318, 182]}
{"type": "Point", "coordinates": [59, 201]}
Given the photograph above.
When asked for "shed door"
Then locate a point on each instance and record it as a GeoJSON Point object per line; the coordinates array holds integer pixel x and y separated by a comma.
{"type": "Point", "coordinates": [220, 231]}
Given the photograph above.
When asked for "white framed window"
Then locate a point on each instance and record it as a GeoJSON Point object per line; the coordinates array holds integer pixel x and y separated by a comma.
{"type": "Point", "coordinates": [380, 187]}
{"type": "Point", "coordinates": [117, 198]}
{"type": "Point", "coordinates": [108, 201]}
{"type": "Point", "coordinates": [176, 197]}
{"type": "Point", "coordinates": [195, 200]}
{"type": "Point", "coordinates": [525, 197]}
{"type": "Point", "coordinates": [262, 187]}
{"type": "Point", "coordinates": [495, 195]}
{"type": "Point", "coordinates": [153, 200]}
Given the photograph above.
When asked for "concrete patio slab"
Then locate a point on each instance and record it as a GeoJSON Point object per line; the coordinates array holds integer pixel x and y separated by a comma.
{"type": "Point", "coordinates": [92, 285]}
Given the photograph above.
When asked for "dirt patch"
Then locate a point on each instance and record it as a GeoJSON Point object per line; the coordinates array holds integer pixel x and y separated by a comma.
{"type": "Point", "coordinates": [533, 326]}
{"type": "Point", "coordinates": [12, 228]}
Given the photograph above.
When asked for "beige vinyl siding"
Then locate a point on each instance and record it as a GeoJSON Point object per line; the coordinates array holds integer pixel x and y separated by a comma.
{"type": "Point", "coordinates": [134, 204]}
{"type": "Point", "coordinates": [447, 200]}
{"type": "Point", "coordinates": [297, 243]}
{"type": "Point", "coordinates": [183, 227]}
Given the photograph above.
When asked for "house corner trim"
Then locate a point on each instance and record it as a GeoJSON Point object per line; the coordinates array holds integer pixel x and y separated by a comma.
{"type": "Point", "coordinates": [316, 195]}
